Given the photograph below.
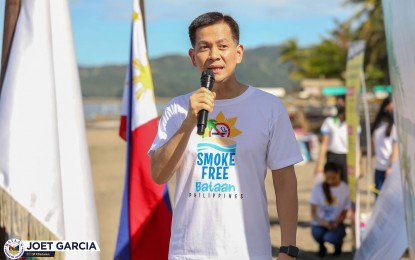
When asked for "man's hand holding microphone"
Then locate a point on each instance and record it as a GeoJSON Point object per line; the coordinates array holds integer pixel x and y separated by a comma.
{"type": "Point", "coordinates": [201, 102]}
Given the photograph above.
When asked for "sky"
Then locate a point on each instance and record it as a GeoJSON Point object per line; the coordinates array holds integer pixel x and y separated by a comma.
{"type": "Point", "coordinates": [101, 28]}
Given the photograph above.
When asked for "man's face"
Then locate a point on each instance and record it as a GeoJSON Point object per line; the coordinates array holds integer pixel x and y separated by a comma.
{"type": "Point", "coordinates": [215, 49]}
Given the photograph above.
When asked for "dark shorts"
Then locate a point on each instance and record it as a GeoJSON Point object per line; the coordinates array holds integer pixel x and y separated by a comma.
{"type": "Point", "coordinates": [341, 160]}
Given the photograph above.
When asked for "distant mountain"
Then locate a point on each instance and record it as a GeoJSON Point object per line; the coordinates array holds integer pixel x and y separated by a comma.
{"type": "Point", "coordinates": [106, 81]}
{"type": "Point", "coordinates": [174, 74]}
{"type": "Point", "coordinates": [260, 68]}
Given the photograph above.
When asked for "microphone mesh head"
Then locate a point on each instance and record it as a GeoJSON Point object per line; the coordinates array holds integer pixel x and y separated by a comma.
{"type": "Point", "coordinates": [207, 79]}
{"type": "Point", "coordinates": [208, 73]}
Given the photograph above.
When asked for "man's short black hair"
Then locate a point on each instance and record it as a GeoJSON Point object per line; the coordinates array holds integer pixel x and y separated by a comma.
{"type": "Point", "coordinates": [213, 18]}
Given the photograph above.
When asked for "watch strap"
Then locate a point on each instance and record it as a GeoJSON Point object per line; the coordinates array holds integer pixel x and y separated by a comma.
{"type": "Point", "coordinates": [289, 250]}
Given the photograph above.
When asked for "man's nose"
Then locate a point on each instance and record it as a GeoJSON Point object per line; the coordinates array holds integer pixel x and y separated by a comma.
{"type": "Point", "coordinates": [214, 53]}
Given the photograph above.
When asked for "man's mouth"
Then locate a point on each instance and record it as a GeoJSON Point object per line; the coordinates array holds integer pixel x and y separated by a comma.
{"type": "Point", "coordinates": [216, 69]}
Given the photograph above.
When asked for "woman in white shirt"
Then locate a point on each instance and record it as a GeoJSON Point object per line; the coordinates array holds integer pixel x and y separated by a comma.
{"type": "Point", "coordinates": [333, 147]}
{"type": "Point", "coordinates": [329, 205]}
{"type": "Point", "coordinates": [384, 140]}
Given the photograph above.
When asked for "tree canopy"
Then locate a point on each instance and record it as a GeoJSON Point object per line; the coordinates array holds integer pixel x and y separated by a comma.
{"type": "Point", "coordinates": [327, 59]}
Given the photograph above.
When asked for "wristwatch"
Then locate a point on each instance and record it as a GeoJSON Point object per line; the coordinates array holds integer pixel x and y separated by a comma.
{"type": "Point", "coordinates": [290, 250]}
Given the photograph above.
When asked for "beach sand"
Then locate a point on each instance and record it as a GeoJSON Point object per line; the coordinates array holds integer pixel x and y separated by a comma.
{"type": "Point", "coordinates": [107, 154]}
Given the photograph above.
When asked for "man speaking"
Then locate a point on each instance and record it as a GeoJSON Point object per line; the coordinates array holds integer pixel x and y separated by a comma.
{"type": "Point", "coordinates": [220, 209]}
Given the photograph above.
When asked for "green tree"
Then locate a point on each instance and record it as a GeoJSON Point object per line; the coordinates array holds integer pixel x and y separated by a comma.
{"type": "Point", "coordinates": [293, 55]}
{"type": "Point", "coordinates": [325, 60]}
{"type": "Point", "coordinates": [328, 58]}
{"type": "Point", "coordinates": [370, 27]}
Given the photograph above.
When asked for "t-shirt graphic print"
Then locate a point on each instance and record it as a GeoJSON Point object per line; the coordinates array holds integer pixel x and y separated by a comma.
{"type": "Point", "coordinates": [215, 161]}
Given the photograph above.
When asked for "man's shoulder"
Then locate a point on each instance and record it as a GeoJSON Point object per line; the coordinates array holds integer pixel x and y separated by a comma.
{"type": "Point", "coordinates": [178, 104]}
{"type": "Point", "coordinates": [180, 99]}
{"type": "Point", "coordinates": [265, 96]}
{"type": "Point", "coordinates": [184, 96]}
{"type": "Point", "coordinates": [263, 92]}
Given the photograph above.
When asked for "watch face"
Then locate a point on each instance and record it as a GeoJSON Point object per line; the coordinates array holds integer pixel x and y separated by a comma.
{"type": "Point", "coordinates": [290, 250]}
{"type": "Point", "coordinates": [293, 251]}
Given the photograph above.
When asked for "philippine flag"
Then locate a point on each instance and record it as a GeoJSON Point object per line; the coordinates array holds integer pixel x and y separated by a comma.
{"type": "Point", "coordinates": [144, 230]}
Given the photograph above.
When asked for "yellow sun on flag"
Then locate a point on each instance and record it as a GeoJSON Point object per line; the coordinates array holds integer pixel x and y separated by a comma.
{"type": "Point", "coordinates": [223, 127]}
{"type": "Point", "coordinates": [136, 16]}
{"type": "Point", "coordinates": [143, 76]}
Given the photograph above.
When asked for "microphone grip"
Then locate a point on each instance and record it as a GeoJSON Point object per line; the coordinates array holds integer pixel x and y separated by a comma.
{"type": "Point", "coordinates": [207, 80]}
{"type": "Point", "coordinates": [202, 118]}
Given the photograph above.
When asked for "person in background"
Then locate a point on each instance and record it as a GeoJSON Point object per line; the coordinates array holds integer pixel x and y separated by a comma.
{"type": "Point", "coordinates": [384, 141]}
{"type": "Point", "coordinates": [333, 147]}
{"type": "Point", "coordinates": [329, 202]}
{"type": "Point", "coordinates": [220, 209]}
{"type": "Point", "coordinates": [301, 130]}
{"type": "Point", "coordinates": [299, 121]}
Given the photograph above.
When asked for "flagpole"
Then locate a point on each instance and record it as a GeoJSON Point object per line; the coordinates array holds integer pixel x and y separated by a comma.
{"type": "Point", "coordinates": [11, 13]}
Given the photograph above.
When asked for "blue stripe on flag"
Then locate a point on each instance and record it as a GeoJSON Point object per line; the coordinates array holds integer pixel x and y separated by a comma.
{"type": "Point", "coordinates": [123, 247]}
{"type": "Point", "coordinates": [166, 197]}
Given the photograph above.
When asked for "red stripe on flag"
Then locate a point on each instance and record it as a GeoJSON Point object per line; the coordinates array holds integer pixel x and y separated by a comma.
{"type": "Point", "coordinates": [123, 128]}
{"type": "Point", "coordinates": [150, 218]}
{"type": "Point", "coordinates": [153, 243]}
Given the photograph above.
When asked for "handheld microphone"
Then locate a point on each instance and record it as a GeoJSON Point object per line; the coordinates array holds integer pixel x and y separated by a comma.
{"type": "Point", "coordinates": [207, 79]}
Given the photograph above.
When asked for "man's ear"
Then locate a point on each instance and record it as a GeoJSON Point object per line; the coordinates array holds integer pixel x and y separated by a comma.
{"type": "Point", "coordinates": [192, 56]}
{"type": "Point", "coordinates": [239, 53]}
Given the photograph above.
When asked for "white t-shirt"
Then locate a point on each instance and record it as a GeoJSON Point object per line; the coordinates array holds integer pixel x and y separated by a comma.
{"type": "Point", "coordinates": [220, 209]}
{"type": "Point", "coordinates": [341, 201]}
{"type": "Point", "coordinates": [337, 132]}
{"type": "Point", "coordinates": [383, 146]}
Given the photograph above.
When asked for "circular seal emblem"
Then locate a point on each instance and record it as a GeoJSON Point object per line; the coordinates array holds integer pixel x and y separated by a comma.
{"type": "Point", "coordinates": [14, 248]}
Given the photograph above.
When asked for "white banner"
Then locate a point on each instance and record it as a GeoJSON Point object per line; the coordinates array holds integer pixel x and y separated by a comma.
{"type": "Point", "coordinates": [400, 36]}
{"type": "Point", "coordinates": [385, 233]}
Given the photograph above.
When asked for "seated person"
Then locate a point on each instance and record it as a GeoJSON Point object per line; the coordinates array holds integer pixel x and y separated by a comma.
{"type": "Point", "coordinates": [329, 205]}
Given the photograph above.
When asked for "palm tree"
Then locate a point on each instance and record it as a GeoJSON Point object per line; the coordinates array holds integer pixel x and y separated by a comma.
{"type": "Point", "coordinates": [326, 60]}
{"type": "Point", "coordinates": [370, 27]}
{"type": "Point", "coordinates": [294, 55]}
